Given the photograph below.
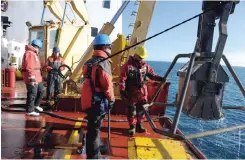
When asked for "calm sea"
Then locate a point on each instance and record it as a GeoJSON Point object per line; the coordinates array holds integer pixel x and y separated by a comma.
{"type": "Point", "coordinates": [229, 145]}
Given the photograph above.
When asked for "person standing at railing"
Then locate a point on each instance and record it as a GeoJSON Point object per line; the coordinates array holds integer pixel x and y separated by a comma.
{"type": "Point", "coordinates": [133, 78]}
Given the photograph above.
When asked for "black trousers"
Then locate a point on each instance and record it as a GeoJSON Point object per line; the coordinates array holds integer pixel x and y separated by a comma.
{"type": "Point", "coordinates": [93, 127]}
{"type": "Point", "coordinates": [93, 138]}
{"type": "Point", "coordinates": [34, 96]}
{"type": "Point", "coordinates": [53, 81]}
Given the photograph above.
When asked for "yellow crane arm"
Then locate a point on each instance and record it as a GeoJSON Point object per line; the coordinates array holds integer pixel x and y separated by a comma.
{"type": "Point", "coordinates": [79, 7]}
{"type": "Point", "coordinates": [143, 20]}
{"type": "Point", "coordinates": [55, 8]}
{"type": "Point", "coordinates": [106, 29]}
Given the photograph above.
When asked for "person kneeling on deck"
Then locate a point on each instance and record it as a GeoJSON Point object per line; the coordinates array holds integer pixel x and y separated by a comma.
{"type": "Point", "coordinates": [133, 77]}
{"type": "Point", "coordinates": [97, 93]}
{"type": "Point", "coordinates": [32, 77]}
{"type": "Point", "coordinates": [54, 80]}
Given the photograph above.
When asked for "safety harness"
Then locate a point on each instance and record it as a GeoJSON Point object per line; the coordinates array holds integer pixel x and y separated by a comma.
{"type": "Point", "coordinates": [88, 75]}
{"type": "Point", "coordinates": [136, 77]}
{"type": "Point", "coordinates": [55, 63]}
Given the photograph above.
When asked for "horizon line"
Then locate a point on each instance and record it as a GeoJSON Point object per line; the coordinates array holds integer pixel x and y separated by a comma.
{"type": "Point", "coordinates": [185, 62]}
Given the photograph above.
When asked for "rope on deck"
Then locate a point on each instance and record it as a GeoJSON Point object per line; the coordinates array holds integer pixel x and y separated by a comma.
{"type": "Point", "coordinates": [214, 132]}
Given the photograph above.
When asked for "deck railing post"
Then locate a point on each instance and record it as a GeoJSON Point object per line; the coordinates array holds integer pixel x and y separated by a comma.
{"type": "Point", "coordinates": [234, 75]}
{"type": "Point", "coordinates": [183, 93]}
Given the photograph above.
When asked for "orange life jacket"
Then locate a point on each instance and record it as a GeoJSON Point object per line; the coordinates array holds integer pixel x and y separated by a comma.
{"type": "Point", "coordinates": [101, 77]}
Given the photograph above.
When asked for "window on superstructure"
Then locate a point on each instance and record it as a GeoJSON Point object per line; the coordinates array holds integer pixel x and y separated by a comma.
{"type": "Point", "coordinates": [107, 4]}
{"type": "Point", "coordinates": [53, 36]}
{"type": "Point", "coordinates": [37, 34]}
{"type": "Point", "coordinates": [94, 31]}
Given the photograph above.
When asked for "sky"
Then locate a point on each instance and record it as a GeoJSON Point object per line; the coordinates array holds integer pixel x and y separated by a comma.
{"type": "Point", "coordinates": [182, 39]}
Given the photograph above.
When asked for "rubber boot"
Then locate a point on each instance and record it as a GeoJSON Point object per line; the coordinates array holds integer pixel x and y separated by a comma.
{"type": "Point", "coordinates": [131, 130]}
{"type": "Point", "coordinates": [140, 128]}
{"type": "Point", "coordinates": [103, 149]}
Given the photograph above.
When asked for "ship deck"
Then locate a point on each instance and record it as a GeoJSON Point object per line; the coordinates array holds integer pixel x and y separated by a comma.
{"type": "Point", "coordinates": [22, 136]}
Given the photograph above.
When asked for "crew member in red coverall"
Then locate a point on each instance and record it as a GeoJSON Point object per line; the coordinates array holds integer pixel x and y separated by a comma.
{"type": "Point", "coordinates": [31, 72]}
{"type": "Point", "coordinates": [54, 80]}
{"type": "Point", "coordinates": [97, 93]}
{"type": "Point", "coordinates": [133, 88]}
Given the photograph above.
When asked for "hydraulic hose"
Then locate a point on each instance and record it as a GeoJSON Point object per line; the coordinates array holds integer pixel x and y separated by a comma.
{"type": "Point", "coordinates": [60, 73]}
{"type": "Point", "coordinates": [8, 108]}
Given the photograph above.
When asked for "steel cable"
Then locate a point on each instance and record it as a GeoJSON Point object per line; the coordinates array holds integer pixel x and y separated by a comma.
{"type": "Point", "coordinates": [166, 30]}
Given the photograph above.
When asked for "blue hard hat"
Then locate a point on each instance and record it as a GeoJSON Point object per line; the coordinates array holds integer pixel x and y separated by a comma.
{"type": "Point", "coordinates": [56, 50]}
{"type": "Point", "coordinates": [37, 42]}
{"type": "Point", "coordinates": [102, 39]}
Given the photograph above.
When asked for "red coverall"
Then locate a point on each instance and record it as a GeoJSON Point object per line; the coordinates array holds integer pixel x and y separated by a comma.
{"type": "Point", "coordinates": [132, 85]}
{"type": "Point", "coordinates": [54, 81]}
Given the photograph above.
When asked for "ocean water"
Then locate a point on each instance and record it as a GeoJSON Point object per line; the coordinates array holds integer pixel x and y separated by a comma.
{"type": "Point", "coordinates": [230, 145]}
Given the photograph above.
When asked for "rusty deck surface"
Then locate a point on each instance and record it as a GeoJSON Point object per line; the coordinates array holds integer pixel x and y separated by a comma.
{"type": "Point", "coordinates": [19, 130]}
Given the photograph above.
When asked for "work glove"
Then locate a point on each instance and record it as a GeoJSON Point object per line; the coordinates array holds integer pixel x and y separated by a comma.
{"type": "Point", "coordinates": [111, 104]}
{"type": "Point", "coordinates": [123, 95]}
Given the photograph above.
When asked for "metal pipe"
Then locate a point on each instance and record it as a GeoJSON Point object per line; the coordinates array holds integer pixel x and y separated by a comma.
{"type": "Point", "coordinates": [63, 18]}
{"type": "Point", "coordinates": [44, 9]}
{"type": "Point", "coordinates": [119, 12]}
{"type": "Point", "coordinates": [48, 130]}
{"type": "Point", "coordinates": [183, 93]}
{"type": "Point", "coordinates": [234, 107]}
{"type": "Point", "coordinates": [214, 132]}
{"type": "Point", "coordinates": [234, 75]}
{"type": "Point", "coordinates": [162, 132]}
{"type": "Point", "coordinates": [167, 73]}
{"type": "Point", "coordinates": [109, 124]}
{"type": "Point", "coordinates": [56, 146]}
